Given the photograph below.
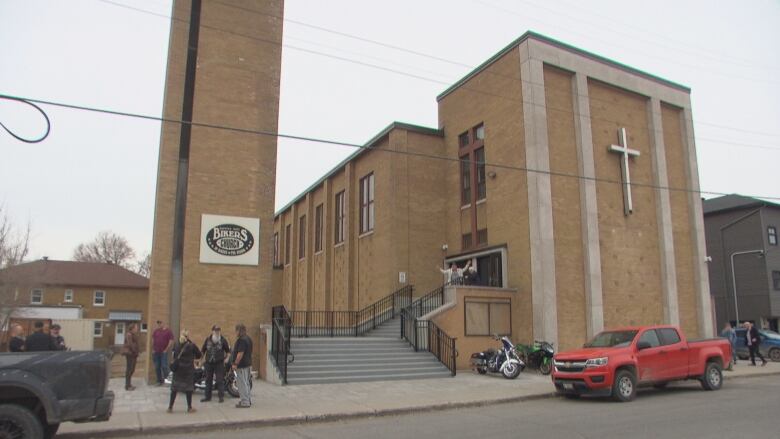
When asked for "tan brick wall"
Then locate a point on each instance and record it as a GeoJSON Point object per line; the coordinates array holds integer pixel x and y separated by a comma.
{"type": "Point", "coordinates": [681, 212]}
{"type": "Point", "coordinates": [630, 260]}
{"type": "Point", "coordinates": [569, 266]}
{"type": "Point", "coordinates": [230, 173]}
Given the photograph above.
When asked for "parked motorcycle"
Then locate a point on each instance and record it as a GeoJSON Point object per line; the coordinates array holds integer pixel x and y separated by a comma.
{"type": "Point", "coordinates": [537, 356]}
{"type": "Point", "coordinates": [231, 386]}
{"type": "Point", "coordinates": [504, 361]}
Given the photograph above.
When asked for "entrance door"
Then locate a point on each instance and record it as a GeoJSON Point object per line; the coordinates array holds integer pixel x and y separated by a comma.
{"type": "Point", "coordinates": [119, 333]}
{"type": "Point", "coordinates": [490, 271]}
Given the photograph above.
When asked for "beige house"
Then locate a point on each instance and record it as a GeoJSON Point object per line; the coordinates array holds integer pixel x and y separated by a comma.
{"type": "Point", "coordinates": [110, 296]}
{"type": "Point", "coordinates": [550, 172]}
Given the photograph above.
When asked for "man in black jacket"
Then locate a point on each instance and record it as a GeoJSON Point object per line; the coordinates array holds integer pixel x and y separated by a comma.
{"type": "Point", "coordinates": [753, 341]}
{"type": "Point", "coordinates": [17, 342]}
{"type": "Point", "coordinates": [39, 340]}
{"type": "Point", "coordinates": [215, 354]}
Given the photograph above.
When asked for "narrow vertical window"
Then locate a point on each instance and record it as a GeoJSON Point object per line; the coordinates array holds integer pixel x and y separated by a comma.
{"type": "Point", "coordinates": [340, 218]}
{"type": "Point", "coordinates": [287, 238]}
{"type": "Point", "coordinates": [302, 237]}
{"type": "Point", "coordinates": [772, 235]}
{"type": "Point", "coordinates": [367, 203]}
{"type": "Point", "coordinates": [99, 299]}
{"type": "Point", "coordinates": [465, 178]}
{"type": "Point", "coordinates": [36, 296]}
{"type": "Point", "coordinates": [68, 296]}
{"type": "Point", "coordinates": [276, 249]}
{"type": "Point", "coordinates": [479, 156]}
{"type": "Point", "coordinates": [318, 229]}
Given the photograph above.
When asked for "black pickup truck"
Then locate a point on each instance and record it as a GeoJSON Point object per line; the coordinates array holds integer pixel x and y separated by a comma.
{"type": "Point", "coordinates": [39, 390]}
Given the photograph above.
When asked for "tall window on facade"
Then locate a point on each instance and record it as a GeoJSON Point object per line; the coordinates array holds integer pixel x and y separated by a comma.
{"type": "Point", "coordinates": [276, 249]}
{"type": "Point", "coordinates": [302, 237]}
{"type": "Point", "coordinates": [367, 203]}
{"type": "Point", "coordinates": [466, 241]}
{"type": "Point", "coordinates": [318, 228]}
{"type": "Point", "coordinates": [482, 237]}
{"type": "Point", "coordinates": [99, 299]}
{"type": "Point", "coordinates": [340, 218]}
{"type": "Point", "coordinates": [68, 296]}
{"type": "Point", "coordinates": [36, 296]}
{"type": "Point", "coordinates": [465, 181]}
{"type": "Point", "coordinates": [776, 280]}
{"type": "Point", "coordinates": [479, 156]}
{"type": "Point", "coordinates": [772, 235]}
{"type": "Point", "coordinates": [287, 238]}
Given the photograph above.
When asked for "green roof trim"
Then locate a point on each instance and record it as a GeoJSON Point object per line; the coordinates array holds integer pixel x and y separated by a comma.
{"type": "Point", "coordinates": [562, 45]}
{"type": "Point", "coordinates": [371, 143]}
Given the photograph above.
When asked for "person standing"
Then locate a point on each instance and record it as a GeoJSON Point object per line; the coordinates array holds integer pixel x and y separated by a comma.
{"type": "Point", "coordinates": [454, 275]}
{"type": "Point", "coordinates": [16, 344]}
{"type": "Point", "coordinates": [59, 341]}
{"type": "Point", "coordinates": [39, 340]}
{"type": "Point", "coordinates": [731, 334]}
{"type": "Point", "coordinates": [753, 342]}
{"type": "Point", "coordinates": [162, 342]}
{"type": "Point", "coordinates": [184, 353]}
{"type": "Point", "coordinates": [215, 350]}
{"type": "Point", "coordinates": [242, 362]}
{"type": "Point", "coordinates": [130, 351]}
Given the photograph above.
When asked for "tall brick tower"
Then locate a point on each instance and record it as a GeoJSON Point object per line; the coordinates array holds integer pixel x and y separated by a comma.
{"type": "Point", "coordinates": [213, 221]}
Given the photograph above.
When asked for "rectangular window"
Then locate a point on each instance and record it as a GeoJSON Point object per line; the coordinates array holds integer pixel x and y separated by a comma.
{"type": "Point", "coordinates": [482, 237]}
{"type": "Point", "coordinates": [479, 132]}
{"type": "Point", "coordinates": [318, 228]}
{"type": "Point", "coordinates": [97, 329]}
{"type": "Point", "coordinates": [776, 280]}
{"type": "Point", "coordinates": [36, 296]}
{"type": "Point", "coordinates": [668, 336]}
{"type": "Point", "coordinates": [144, 327]}
{"type": "Point", "coordinates": [287, 239]}
{"type": "Point", "coordinates": [276, 249]}
{"type": "Point", "coordinates": [465, 178]}
{"type": "Point", "coordinates": [772, 235]}
{"type": "Point", "coordinates": [488, 318]}
{"type": "Point", "coordinates": [479, 156]}
{"type": "Point", "coordinates": [340, 218]}
{"type": "Point", "coordinates": [466, 241]}
{"type": "Point", "coordinates": [463, 140]}
{"type": "Point", "coordinates": [99, 298]}
{"type": "Point", "coordinates": [302, 237]}
{"type": "Point", "coordinates": [68, 296]}
{"type": "Point", "coordinates": [367, 203]}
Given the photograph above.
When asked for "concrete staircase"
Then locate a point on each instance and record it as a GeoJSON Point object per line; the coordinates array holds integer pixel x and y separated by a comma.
{"type": "Point", "coordinates": [380, 355]}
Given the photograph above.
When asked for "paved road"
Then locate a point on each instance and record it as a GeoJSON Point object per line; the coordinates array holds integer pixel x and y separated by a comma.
{"type": "Point", "coordinates": [744, 409]}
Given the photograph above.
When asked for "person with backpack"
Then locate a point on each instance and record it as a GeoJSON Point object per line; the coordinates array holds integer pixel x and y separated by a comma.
{"type": "Point", "coordinates": [215, 354]}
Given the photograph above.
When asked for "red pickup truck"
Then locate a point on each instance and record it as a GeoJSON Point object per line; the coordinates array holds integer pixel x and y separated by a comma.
{"type": "Point", "coordinates": [615, 362]}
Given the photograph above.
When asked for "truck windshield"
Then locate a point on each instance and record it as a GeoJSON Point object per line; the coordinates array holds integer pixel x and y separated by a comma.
{"type": "Point", "coordinates": [612, 339]}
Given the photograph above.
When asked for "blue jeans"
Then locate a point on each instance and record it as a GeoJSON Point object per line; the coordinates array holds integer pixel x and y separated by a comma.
{"type": "Point", "coordinates": [160, 360]}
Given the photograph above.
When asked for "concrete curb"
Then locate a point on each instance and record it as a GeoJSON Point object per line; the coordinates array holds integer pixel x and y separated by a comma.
{"type": "Point", "coordinates": [332, 417]}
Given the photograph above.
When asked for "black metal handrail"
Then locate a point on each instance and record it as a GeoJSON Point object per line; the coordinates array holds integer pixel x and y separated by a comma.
{"type": "Point", "coordinates": [350, 323]}
{"type": "Point", "coordinates": [426, 335]}
{"type": "Point", "coordinates": [280, 340]}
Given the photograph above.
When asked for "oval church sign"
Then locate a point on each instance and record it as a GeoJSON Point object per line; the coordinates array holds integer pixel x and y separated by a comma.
{"type": "Point", "coordinates": [230, 240]}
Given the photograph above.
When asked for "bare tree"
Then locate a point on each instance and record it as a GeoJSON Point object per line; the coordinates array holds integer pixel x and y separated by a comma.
{"type": "Point", "coordinates": [144, 265]}
{"type": "Point", "coordinates": [106, 247]}
{"type": "Point", "coordinates": [14, 247]}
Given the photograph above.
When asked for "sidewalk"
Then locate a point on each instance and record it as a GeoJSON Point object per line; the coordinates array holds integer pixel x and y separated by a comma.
{"type": "Point", "coordinates": [143, 411]}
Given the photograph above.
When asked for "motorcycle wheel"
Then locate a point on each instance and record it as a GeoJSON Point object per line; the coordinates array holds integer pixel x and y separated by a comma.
{"type": "Point", "coordinates": [511, 371]}
{"type": "Point", "coordinates": [545, 368]}
{"type": "Point", "coordinates": [481, 370]}
{"type": "Point", "coordinates": [232, 386]}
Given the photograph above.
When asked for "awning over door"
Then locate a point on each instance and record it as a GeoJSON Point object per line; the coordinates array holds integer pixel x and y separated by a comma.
{"type": "Point", "coordinates": [125, 316]}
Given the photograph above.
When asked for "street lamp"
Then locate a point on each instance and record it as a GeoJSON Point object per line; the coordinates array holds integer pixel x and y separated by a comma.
{"type": "Point", "coordinates": [734, 278]}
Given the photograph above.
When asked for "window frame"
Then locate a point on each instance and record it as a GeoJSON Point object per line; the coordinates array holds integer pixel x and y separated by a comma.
{"type": "Point", "coordinates": [287, 243]}
{"type": "Point", "coordinates": [776, 280]}
{"type": "Point", "coordinates": [367, 192]}
{"type": "Point", "coordinates": [276, 249]}
{"type": "Point", "coordinates": [95, 297]}
{"type": "Point", "coordinates": [318, 227]}
{"type": "Point", "coordinates": [489, 301]}
{"type": "Point", "coordinates": [465, 180]}
{"type": "Point", "coordinates": [32, 295]}
{"type": "Point", "coordinates": [340, 217]}
{"type": "Point", "coordinates": [143, 327]}
{"type": "Point", "coordinates": [302, 237]}
{"type": "Point", "coordinates": [68, 296]}
{"type": "Point", "coordinates": [657, 338]}
{"type": "Point", "coordinates": [771, 232]}
{"type": "Point", "coordinates": [97, 329]}
{"type": "Point", "coordinates": [465, 243]}
{"type": "Point", "coordinates": [481, 177]}
{"type": "Point", "coordinates": [662, 336]}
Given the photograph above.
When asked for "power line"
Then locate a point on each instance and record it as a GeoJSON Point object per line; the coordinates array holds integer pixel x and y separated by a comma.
{"type": "Point", "coordinates": [402, 73]}
{"type": "Point", "coordinates": [358, 146]}
{"type": "Point", "coordinates": [43, 113]}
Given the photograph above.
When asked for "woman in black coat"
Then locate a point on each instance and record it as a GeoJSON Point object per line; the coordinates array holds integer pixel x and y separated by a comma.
{"type": "Point", "coordinates": [184, 355]}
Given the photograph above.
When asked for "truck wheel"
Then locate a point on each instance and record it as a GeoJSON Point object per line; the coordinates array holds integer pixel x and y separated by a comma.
{"type": "Point", "coordinates": [17, 421]}
{"type": "Point", "coordinates": [50, 430]}
{"type": "Point", "coordinates": [774, 354]}
{"type": "Point", "coordinates": [713, 376]}
{"type": "Point", "coordinates": [624, 387]}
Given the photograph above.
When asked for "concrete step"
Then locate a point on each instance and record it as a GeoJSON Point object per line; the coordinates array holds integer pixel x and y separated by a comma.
{"type": "Point", "coordinates": [344, 365]}
{"type": "Point", "coordinates": [345, 373]}
{"type": "Point", "coordinates": [362, 378]}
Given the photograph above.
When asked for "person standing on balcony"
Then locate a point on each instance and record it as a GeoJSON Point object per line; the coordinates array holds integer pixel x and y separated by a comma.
{"type": "Point", "coordinates": [454, 275]}
{"type": "Point", "coordinates": [215, 350]}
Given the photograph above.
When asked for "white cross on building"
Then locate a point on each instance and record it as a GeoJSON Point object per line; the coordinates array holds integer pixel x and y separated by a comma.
{"type": "Point", "coordinates": [625, 152]}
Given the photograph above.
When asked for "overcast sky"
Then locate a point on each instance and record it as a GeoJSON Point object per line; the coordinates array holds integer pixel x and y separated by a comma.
{"type": "Point", "coordinates": [98, 172]}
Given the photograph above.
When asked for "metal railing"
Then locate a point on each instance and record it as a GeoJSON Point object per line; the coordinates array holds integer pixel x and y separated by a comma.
{"type": "Point", "coordinates": [280, 340]}
{"type": "Point", "coordinates": [426, 335]}
{"type": "Point", "coordinates": [350, 323]}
